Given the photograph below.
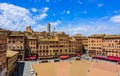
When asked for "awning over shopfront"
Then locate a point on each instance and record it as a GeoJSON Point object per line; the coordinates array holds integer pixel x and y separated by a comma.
{"type": "Point", "coordinates": [100, 57]}
{"type": "Point", "coordinates": [78, 55]}
{"type": "Point", "coordinates": [45, 57]}
{"type": "Point", "coordinates": [64, 56]}
{"type": "Point", "coordinates": [31, 58]}
{"type": "Point", "coordinates": [113, 58]}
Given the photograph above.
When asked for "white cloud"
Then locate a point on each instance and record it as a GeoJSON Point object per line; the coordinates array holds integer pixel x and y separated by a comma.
{"type": "Point", "coordinates": [102, 19]}
{"type": "Point", "coordinates": [91, 28]}
{"type": "Point", "coordinates": [14, 17]}
{"type": "Point", "coordinates": [105, 17]}
{"type": "Point", "coordinates": [45, 9]}
{"type": "Point", "coordinates": [17, 18]}
{"type": "Point", "coordinates": [68, 12]}
{"type": "Point", "coordinates": [70, 25]}
{"type": "Point", "coordinates": [39, 28]}
{"type": "Point", "coordinates": [34, 10]}
{"type": "Point", "coordinates": [115, 19]}
{"type": "Point", "coordinates": [42, 15]}
{"type": "Point", "coordinates": [55, 23]}
{"type": "Point", "coordinates": [43, 27]}
{"type": "Point", "coordinates": [100, 5]}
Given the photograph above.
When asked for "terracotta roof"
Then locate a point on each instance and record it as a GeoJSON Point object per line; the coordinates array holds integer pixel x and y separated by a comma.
{"type": "Point", "coordinates": [53, 40]}
{"type": "Point", "coordinates": [45, 39]}
{"type": "Point", "coordinates": [97, 35]}
{"type": "Point", "coordinates": [30, 37]}
{"type": "Point", "coordinates": [85, 38]}
{"type": "Point", "coordinates": [16, 33]}
{"type": "Point", "coordinates": [71, 39]}
{"type": "Point", "coordinates": [61, 34]}
{"type": "Point", "coordinates": [111, 36]}
{"type": "Point", "coordinates": [78, 35]}
{"type": "Point", "coordinates": [3, 30]}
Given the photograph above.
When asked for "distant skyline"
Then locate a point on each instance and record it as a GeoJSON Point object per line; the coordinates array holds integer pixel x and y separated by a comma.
{"type": "Point", "coordinates": [85, 17]}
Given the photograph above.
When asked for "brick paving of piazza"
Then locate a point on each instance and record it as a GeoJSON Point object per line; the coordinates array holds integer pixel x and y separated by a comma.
{"type": "Point", "coordinates": [77, 68]}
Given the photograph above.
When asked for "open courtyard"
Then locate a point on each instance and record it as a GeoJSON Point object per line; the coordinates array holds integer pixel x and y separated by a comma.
{"type": "Point", "coordinates": [77, 68]}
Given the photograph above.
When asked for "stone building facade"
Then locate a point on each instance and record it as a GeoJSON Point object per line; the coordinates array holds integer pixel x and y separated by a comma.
{"type": "Point", "coordinates": [3, 50]}
{"type": "Point", "coordinates": [60, 44]}
{"type": "Point", "coordinates": [101, 44]}
{"type": "Point", "coordinates": [16, 42]}
{"type": "Point", "coordinates": [44, 44]}
{"type": "Point", "coordinates": [12, 58]}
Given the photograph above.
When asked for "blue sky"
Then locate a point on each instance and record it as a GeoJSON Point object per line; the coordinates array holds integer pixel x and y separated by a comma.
{"type": "Point", "coordinates": [72, 16]}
